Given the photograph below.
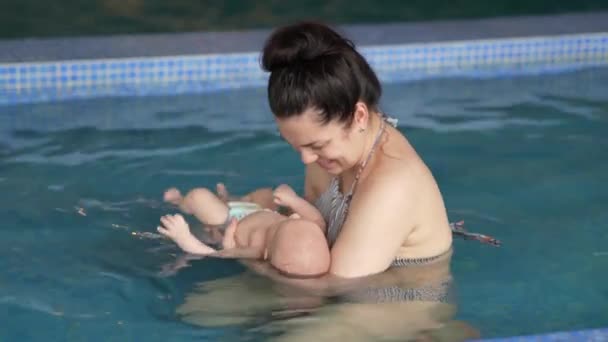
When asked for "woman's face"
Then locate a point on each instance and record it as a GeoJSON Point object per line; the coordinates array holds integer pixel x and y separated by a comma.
{"type": "Point", "coordinates": [334, 146]}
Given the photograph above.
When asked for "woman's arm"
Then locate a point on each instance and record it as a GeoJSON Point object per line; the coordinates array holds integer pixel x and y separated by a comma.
{"type": "Point", "coordinates": [326, 285]}
{"type": "Point", "coordinates": [380, 218]}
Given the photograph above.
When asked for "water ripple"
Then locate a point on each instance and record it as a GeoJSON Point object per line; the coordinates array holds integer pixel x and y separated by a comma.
{"type": "Point", "coordinates": [43, 155]}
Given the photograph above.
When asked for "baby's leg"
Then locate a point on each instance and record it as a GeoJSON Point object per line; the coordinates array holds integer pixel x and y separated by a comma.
{"type": "Point", "coordinates": [263, 197]}
{"type": "Point", "coordinates": [206, 206]}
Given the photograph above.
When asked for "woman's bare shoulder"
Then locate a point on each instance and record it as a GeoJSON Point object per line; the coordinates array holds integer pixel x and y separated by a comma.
{"type": "Point", "coordinates": [394, 172]}
{"type": "Point", "coordinates": [399, 165]}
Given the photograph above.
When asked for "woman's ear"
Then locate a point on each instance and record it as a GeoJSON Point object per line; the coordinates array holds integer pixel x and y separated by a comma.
{"type": "Point", "coordinates": [361, 117]}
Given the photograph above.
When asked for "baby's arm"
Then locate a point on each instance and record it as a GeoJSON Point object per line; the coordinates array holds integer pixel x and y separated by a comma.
{"type": "Point", "coordinates": [285, 196]}
{"type": "Point", "coordinates": [239, 253]}
{"type": "Point", "coordinates": [177, 229]}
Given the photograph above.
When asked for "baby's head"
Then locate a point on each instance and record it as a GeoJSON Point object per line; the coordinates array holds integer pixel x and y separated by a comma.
{"type": "Point", "coordinates": [299, 249]}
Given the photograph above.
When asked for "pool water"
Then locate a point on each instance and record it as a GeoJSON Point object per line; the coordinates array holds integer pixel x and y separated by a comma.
{"type": "Point", "coordinates": [523, 159]}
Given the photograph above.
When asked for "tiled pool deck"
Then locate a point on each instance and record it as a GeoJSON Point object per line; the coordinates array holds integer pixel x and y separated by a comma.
{"type": "Point", "coordinates": [34, 70]}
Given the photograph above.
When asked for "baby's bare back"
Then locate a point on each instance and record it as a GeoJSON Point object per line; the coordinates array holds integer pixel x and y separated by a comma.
{"type": "Point", "coordinates": [256, 229]}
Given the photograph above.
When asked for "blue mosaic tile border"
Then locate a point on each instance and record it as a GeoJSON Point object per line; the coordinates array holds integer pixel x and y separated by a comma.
{"type": "Point", "coordinates": [168, 75]}
{"type": "Point", "coordinates": [591, 335]}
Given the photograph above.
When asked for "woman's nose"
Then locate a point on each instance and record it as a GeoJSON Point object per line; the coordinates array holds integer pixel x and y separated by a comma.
{"type": "Point", "coordinates": [308, 156]}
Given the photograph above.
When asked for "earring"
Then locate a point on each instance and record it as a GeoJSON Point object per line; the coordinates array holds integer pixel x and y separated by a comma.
{"type": "Point", "coordinates": [361, 130]}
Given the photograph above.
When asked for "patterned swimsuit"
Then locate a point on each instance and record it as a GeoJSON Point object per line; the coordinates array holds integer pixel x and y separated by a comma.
{"type": "Point", "coordinates": [333, 205]}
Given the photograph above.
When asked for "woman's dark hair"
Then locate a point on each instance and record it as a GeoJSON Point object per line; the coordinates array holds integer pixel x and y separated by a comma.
{"type": "Point", "coordinates": [312, 65]}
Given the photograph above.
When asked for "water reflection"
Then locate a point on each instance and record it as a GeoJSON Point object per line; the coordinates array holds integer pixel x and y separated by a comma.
{"type": "Point", "coordinates": [404, 304]}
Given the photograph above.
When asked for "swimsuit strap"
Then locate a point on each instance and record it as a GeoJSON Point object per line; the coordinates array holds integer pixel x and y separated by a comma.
{"type": "Point", "coordinates": [369, 156]}
{"type": "Point", "coordinates": [349, 196]}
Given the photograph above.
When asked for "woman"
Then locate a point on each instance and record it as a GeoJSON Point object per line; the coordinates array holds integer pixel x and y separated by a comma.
{"type": "Point", "coordinates": [380, 201]}
{"type": "Point", "coordinates": [386, 222]}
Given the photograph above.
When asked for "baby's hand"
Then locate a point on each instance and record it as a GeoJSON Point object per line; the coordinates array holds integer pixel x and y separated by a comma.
{"type": "Point", "coordinates": [175, 228]}
{"type": "Point", "coordinates": [283, 195]}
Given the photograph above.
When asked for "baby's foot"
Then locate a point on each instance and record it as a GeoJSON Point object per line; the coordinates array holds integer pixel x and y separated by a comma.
{"type": "Point", "coordinates": [222, 192]}
{"type": "Point", "coordinates": [173, 196]}
{"type": "Point", "coordinates": [178, 230]}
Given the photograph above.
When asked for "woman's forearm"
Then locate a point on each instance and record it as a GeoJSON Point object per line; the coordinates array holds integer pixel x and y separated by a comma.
{"type": "Point", "coordinates": [326, 285]}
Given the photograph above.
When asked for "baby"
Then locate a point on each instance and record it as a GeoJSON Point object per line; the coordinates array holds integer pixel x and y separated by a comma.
{"type": "Point", "coordinates": [253, 229]}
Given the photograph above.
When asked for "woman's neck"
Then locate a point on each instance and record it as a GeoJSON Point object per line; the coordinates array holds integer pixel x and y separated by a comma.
{"type": "Point", "coordinates": [371, 134]}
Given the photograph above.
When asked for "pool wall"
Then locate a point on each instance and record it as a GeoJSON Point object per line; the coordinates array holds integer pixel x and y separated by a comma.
{"type": "Point", "coordinates": [37, 70]}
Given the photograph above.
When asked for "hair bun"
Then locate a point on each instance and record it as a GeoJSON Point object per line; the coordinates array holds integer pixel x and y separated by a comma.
{"type": "Point", "coordinates": [300, 43]}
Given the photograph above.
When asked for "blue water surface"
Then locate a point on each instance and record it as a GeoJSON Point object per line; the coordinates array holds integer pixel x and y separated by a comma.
{"type": "Point", "coordinates": [523, 159]}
